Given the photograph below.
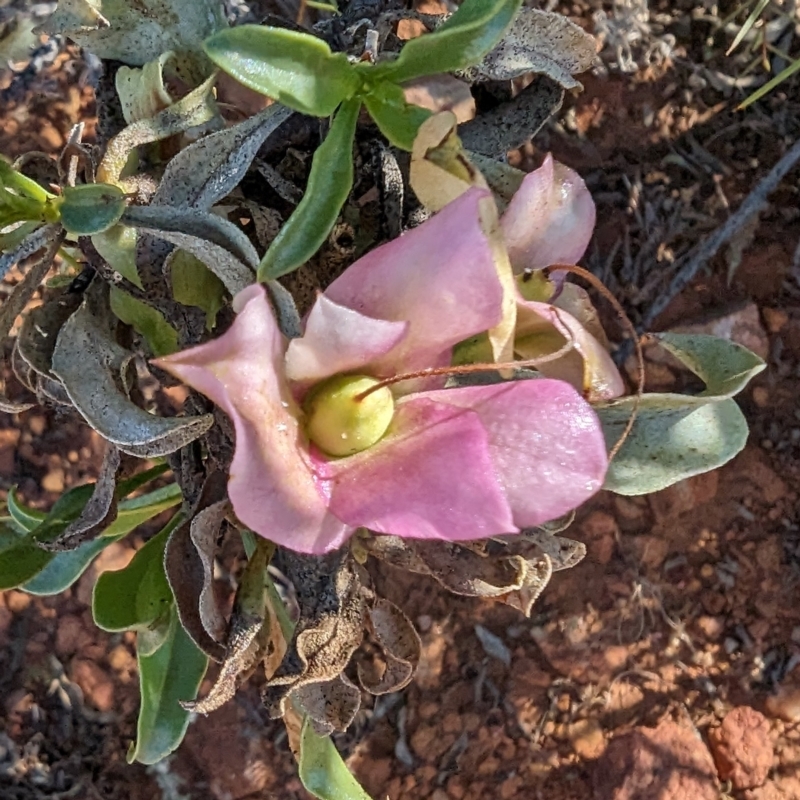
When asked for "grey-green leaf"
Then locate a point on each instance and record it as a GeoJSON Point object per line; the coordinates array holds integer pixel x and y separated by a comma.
{"type": "Point", "coordinates": [225, 157]}
{"type": "Point", "coordinates": [676, 436]}
{"type": "Point", "coordinates": [136, 33]}
{"type": "Point", "coordinates": [671, 443]}
{"type": "Point", "coordinates": [34, 241]}
{"type": "Point", "coordinates": [542, 42]}
{"type": "Point", "coordinates": [89, 363]}
{"type": "Point", "coordinates": [219, 244]}
{"type": "Point", "coordinates": [49, 237]}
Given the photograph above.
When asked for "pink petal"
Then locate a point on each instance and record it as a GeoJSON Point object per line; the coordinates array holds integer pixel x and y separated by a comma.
{"type": "Point", "coordinates": [588, 367]}
{"type": "Point", "coordinates": [271, 485]}
{"type": "Point", "coordinates": [430, 477]}
{"type": "Point", "coordinates": [545, 442]}
{"type": "Point", "coordinates": [338, 339]}
{"type": "Point", "coordinates": [550, 219]}
{"type": "Point", "coordinates": [439, 277]}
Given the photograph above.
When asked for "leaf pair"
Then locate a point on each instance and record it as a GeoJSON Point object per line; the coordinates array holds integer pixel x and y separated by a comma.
{"type": "Point", "coordinates": [301, 72]}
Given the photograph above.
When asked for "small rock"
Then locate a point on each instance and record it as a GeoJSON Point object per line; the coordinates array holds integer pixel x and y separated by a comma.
{"type": "Point", "coordinates": [16, 601]}
{"type": "Point", "coordinates": [651, 551]}
{"type": "Point", "coordinates": [54, 481]}
{"type": "Point", "coordinates": [37, 425]}
{"type": "Point", "coordinates": [669, 762]}
{"type": "Point", "coordinates": [742, 749]}
{"type": "Point", "coordinates": [785, 703]}
{"type": "Point", "coordinates": [587, 738]}
{"type": "Point", "coordinates": [96, 685]}
{"type": "Point", "coordinates": [71, 636]}
{"type": "Point", "coordinates": [600, 533]}
{"type": "Point", "coordinates": [711, 627]}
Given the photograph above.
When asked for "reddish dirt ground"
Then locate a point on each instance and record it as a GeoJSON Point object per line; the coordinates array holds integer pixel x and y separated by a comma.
{"type": "Point", "coordinates": [684, 609]}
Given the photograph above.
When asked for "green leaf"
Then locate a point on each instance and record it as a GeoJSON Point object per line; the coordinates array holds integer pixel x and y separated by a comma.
{"type": "Point", "coordinates": [14, 237]}
{"type": "Point", "coordinates": [24, 559]}
{"type": "Point", "coordinates": [161, 337]}
{"type": "Point", "coordinates": [117, 245]}
{"type": "Point", "coordinates": [329, 184]}
{"type": "Point", "coordinates": [322, 771]}
{"type": "Point", "coordinates": [26, 518]}
{"type": "Point", "coordinates": [138, 596]}
{"type": "Point", "coordinates": [169, 674]}
{"type": "Point", "coordinates": [398, 120]}
{"type": "Point", "coordinates": [748, 24]}
{"type": "Point", "coordinates": [194, 284]}
{"type": "Point", "coordinates": [676, 436]}
{"type": "Point", "coordinates": [295, 68]}
{"type": "Point", "coordinates": [91, 208]}
{"type": "Point", "coordinates": [66, 567]}
{"type": "Point", "coordinates": [463, 40]}
{"type": "Point", "coordinates": [764, 90]}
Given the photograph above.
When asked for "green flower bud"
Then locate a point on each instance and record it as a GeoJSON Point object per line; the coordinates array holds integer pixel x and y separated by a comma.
{"type": "Point", "coordinates": [339, 423]}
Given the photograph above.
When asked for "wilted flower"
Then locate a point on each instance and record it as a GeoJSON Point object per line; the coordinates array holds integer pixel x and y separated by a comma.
{"type": "Point", "coordinates": [549, 221]}
{"type": "Point", "coordinates": [323, 448]}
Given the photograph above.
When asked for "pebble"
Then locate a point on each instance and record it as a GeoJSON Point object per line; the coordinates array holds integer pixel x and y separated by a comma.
{"type": "Point", "coordinates": [742, 748]}
{"type": "Point", "coordinates": [669, 762]}
{"type": "Point", "coordinates": [586, 737]}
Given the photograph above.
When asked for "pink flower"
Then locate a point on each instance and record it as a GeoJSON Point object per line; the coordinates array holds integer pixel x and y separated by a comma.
{"type": "Point", "coordinates": [550, 218]}
{"type": "Point", "coordinates": [454, 463]}
{"type": "Point", "coordinates": [550, 221]}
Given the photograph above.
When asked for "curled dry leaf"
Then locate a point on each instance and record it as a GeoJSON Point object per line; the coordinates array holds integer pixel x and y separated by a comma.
{"type": "Point", "coordinates": [563, 553]}
{"type": "Point", "coordinates": [509, 125]}
{"type": "Point", "coordinates": [189, 565]}
{"type": "Point", "coordinates": [516, 580]}
{"type": "Point", "coordinates": [89, 364]}
{"type": "Point", "coordinates": [537, 576]}
{"type": "Point", "coordinates": [100, 510]}
{"type": "Point", "coordinates": [328, 631]}
{"type": "Point", "coordinates": [459, 569]}
{"type": "Point", "coordinates": [39, 331]}
{"type": "Point", "coordinates": [50, 237]}
{"type": "Point", "coordinates": [542, 42]}
{"type": "Point", "coordinates": [329, 705]}
{"type": "Point", "coordinates": [401, 646]}
{"type": "Point", "coordinates": [225, 157]}
{"type": "Point", "coordinates": [196, 108]}
{"type": "Point", "coordinates": [246, 639]}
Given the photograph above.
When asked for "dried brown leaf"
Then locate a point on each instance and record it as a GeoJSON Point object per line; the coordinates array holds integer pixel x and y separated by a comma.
{"type": "Point", "coordinates": [328, 631]}
{"type": "Point", "coordinates": [396, 636]}
{"type": "Point", "coordinates": [189, 565]}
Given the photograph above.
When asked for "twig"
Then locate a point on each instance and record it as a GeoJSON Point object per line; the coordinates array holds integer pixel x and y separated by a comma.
{"type": "Point", "coordinates": [699, 255]}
